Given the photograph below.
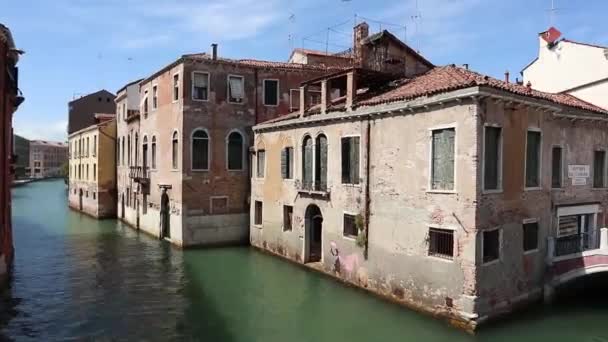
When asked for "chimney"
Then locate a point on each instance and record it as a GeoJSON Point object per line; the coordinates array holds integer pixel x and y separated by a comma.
{"type": "Point", "coordinates": [214, 51]}
{"type": "Point", "coordinates": [466, 66]}
{"type": "Point", "coordinates": [361, 32]}
{"type": "Point", "coordinates": [529, 85]}
{"type": "Point", "coordinates": [507, 76]}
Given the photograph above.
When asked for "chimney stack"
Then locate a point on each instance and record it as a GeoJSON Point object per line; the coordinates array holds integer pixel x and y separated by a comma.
{"type": "Point", "coordinates": [507, 76]}
{"type": "Point", "coordinates": [466, 66]}
{"type": "Point", "coordinates": [361, 32]}
{"type": "Point", "coordinates": [214, 51]}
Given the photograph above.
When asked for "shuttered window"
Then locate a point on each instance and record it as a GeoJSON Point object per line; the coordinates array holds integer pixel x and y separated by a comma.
{"type": "Point", "coordinates": [321, 163]}
{"type": "Point", "coordinates": [492, 156]}
{"type": "Point", "coordinates": [200, 150]}
{"type": "Point", "coordinates": [307, 155]}
{"type": "Point", "coordinates": [235, 89]}
{"type": "Point", "coordinates": [533, 159]}
{"type": "Point", "coordinates": [271, 92]}
{"type": "Point", "coordinates": [287, 163]}
{"type": "Point", "coordinates": [200, 86]}
{"type": "Point", "coordinates": [599, 169]}
{"type": "Point", "coordinates": [350, 160]}
{"type": "Point", "coordinates": [261, 161]}
{"type": "Point", "coordinates": [442, 166]}
{"type": "Point", "coordinates": [556, 167]}
{"type": "Point", "coordinates": [235, 151]}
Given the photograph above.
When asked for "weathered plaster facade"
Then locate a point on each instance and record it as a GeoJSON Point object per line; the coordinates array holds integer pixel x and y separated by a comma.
{"type": "Point", "coordinates": [47, 158]}
{"type": "Point", "coordinates": [92, 185]}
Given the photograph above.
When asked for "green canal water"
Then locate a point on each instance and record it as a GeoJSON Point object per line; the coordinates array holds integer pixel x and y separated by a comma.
{"type": "Point", "coordinates": [76, 278]}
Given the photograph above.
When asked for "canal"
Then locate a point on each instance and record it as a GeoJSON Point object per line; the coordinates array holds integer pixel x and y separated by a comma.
{"type": "Point", "coordinates": [76, 278]}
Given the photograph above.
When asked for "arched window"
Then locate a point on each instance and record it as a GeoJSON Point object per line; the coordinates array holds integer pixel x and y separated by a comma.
{"type": "Point", "coordinates": [122, 154]}
{"type": "Point", "coordinates": [154, 152]}
{"type": "Point", "coordinates": [174, 150]}
{"type": "Point", "coordinates": [321, 163]}
{"type": "Point", "coordinates": [136, 147]}
{"type": "Point", "coordinates": [235, 151]}
{"type": "Point", "coordinates": [129, 150]}
{"type": "Point", "coordinates": [144, 152]}
{"type": "Point", "coordinates": [307, 155]}
{"type": "Point", "coordinates": [200, 150]}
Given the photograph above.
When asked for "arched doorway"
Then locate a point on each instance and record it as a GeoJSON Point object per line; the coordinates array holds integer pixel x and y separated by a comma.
{"type": "Point", "coordinates": [313, 233]}
{"type": "Point", "coordinates": [165, 229]}
{"type": "Point", "coordinates": [80, 200]}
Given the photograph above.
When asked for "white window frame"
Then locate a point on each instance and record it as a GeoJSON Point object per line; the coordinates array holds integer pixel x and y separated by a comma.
{"type": "Point", "coordinates": [345, 237]}
{"type": "Point", "coordinates": [178, 151]}
{"type": "Point", "coordinates": [291, 107]}
{"type": "Point", "coordinates": [527, 221]}
{"type": "Point", "coordinates": [153, 139]}
{"type": "Point", "coordinates": [243, 159]}
{"type": "Point", "coordinates": [499, 188]}
{"type": "Point", "coordinates": [154, 105]}
{"type": "Point", "coordinates": [500, 246]}
{"type": "Point", "coordinates": [208, 85]}
{"type": "Point", "coordinates": [429, 185]}
{"type": "Point", "coordinates": [264, 91]}
{"type": "Point", "coordinates": [173, 97]}
{"type": "Point", "coordinates": [208, 149]}
{"type": "Point", "coordinates": [561, 168]}
{"type": "Point", "coordinates": [354, 135]}
{"type": "Point", "coordinates": [455, 242]}
{"type": "Point", "coordinates": [228, 88]}
{"type": "Point", "coordinates": [211, 198]}
{"type": "Point", "coordinates": [257, 160]}
{"type": "Point", "coordinates": [540, 160]}
{"type": "Point", "coordinates": [605, 185]}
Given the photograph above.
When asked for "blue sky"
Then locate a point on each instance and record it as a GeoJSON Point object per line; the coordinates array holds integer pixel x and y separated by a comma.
{"type": "Point", "coordinates": [79, 46]}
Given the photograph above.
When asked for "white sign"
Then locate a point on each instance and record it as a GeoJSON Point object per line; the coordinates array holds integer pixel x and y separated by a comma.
{"type": "Point", "coordinates": [579, 181]}
{"type": "Point", "coordinates": [578, 171]}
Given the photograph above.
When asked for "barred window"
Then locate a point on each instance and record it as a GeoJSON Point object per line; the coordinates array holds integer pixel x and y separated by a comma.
{"type": "Point", "coordinates": [441, 243]}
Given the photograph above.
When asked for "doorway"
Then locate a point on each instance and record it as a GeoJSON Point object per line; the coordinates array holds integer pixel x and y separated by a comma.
{"type": "Point", "coordinates": [80, 200]}
{"type": "Point", "coordinates": [165, 229]}
{"type": "Point", "coordinates": [314, 233]}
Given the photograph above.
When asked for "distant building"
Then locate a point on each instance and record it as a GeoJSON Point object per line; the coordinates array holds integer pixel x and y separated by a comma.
{"type": "Point", "coordinates": [21, 151]}
{"type": "Point", "coordinates": [47, 158]}
{"type": "Point", "coordinates": [316, 57]}
{"type": "Point", "coordinates": [92, 170]}
{"type": "Point", "coordinates": [569, 67]}
{"type": "Point", "coordinates": [10, 99]}
{"type": "Point", "coordinates": [81, 112]}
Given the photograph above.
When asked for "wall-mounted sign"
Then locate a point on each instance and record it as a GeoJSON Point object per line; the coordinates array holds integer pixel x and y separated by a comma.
{"type": "Point", "coordinates": [579, 181]}
{"type": "Point", "coordinates": [578, 171]}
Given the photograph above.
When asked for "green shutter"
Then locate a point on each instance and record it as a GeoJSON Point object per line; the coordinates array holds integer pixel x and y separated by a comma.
{"type": "Point", "coordinates": [284, 171]}
{"type": "Point", "coordinates": [532, 159]}
{"type": "Point", "coordinates": [442, 163]}
{"type": "Point", "coordinates": [321, 163]}
{"type": "Point", "coordinates": [354, 160]}
{"type": "Point", "coordinates": [307, 164]}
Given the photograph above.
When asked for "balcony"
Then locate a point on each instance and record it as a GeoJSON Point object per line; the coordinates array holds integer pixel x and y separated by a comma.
{"type": "Point", "coordinates": [132, 114]}
{"type": "Point", "coordinates": [313, 189]}
{"type": "Point", "coordinates": [577, 245]}
{"type": "Point", "coordinates": [140, 174]}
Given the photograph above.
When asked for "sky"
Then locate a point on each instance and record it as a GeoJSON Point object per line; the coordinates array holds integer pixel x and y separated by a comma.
{"type": "Point", "coordinates": [75, 47]}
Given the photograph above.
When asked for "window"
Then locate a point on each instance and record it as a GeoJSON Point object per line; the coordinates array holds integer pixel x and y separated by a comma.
{"type": "Point", "coordinates": [533, 159]}
{"type": "Point", "coordinates": [144, 152]}
{"type": "Point", "coordinates": [492, 158]}
{"type": "Point", "coordinates": [136, 148]}
{"type": "Point", "coordinates": [491, 245]}
{"type": "Point", "coordinates": [287, 163]}
{"type": "Point", "coordinates": [200, 86]}
{"type": "Point", "coordinates": [321, 163]}
{"type": "Point", "coordinates": [87, 174]}
{"type": "Point", "coordinates": [94, 145]}
{"type": "Point", "coordinates": [200, 150]}
{"type": "Point", "coordinates": [87, 146]}
{"type": "Point", "coordinates": [154, 152]}
{"type": "Point", "coordinates": [441, 243]}
{"type": "Point", "coordinates": [261, 160]}
{"type": "Point", "coordinates": [307, 155]}
{"type": "Point", "coordinates": [349, 226]}
{"type": "Point", "coordinates": [350, 160]}
{"type": "Point", "coordinates": [95, 172]}
{"type": "Point", "coordinates": [235, 151]}
{"type": "Point", "coordinates": [442, 163]}
{"type": "Point", "coordinates": [129, 150]}
{"type": "Point", "coordinates": [258, 213]}
{"type": "Point", "coordinates": [287, 217]}
{"type": "Point", "coordinates": [271, 92]}
{"type": "Point", "coordinates": [175, 87]}
{"type": "Point", "coordinates": [154, 97]}
{"type": "Point", "coordinates": [599, 169]}
{"type": "Point", "coordinates": [174, 150]}
{"type": "Point", "coordinates": [556, 167]}
{"type": "Point", "coordinates": [294, 100]}
{"type": "Point", "coordinates": [530, 236]}
{"type": "Point", "coordinates": [235, 89]}
{"type": "Point", "coordinates": [94, 195]}
{"type": "Point", "coordinates": [145, 109]}
{"type": "Point", "coordinates": [315, 97]}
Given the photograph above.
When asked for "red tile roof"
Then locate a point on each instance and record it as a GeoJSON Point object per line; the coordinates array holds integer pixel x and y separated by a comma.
{"type": "Point", "coordinates": [318, 53]}
{"type": "Point", "coordinates": [449, 78]}
{"type": "Point", "coordinates": [266, 64]}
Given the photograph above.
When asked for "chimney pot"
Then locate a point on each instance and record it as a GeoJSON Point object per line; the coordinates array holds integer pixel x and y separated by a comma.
{"type": "Point", "coordinates": [214, 51]}
{"type": "Point", "coordinates": [507, 76]}
{"type": "Point", "coordinates": [529, 85]}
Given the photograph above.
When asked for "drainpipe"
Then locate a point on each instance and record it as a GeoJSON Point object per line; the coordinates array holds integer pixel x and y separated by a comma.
{"type": "Point", "coordinates": [367, 196]}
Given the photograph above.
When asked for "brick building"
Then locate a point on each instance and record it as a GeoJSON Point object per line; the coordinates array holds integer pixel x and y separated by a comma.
{"type": "Point", "coordinates": [81, 111]}
{"type": "Point", "coordinates": [186, 145]}
{"type": "Point", "coordinates": [10, 99]}
{"type": "Point", "coordinates": [442, 189]}
{"type": "Point", "coordinates": [47, 158]}
{"type": "Point", "coordinates": [92, 168]}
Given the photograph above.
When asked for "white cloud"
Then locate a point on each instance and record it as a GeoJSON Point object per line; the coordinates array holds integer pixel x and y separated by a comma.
{"type": "Point", "coordinates": [54, 131]}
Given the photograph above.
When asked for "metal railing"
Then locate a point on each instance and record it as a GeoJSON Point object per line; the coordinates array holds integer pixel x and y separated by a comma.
{"type": "Point", "coordinates": [139, 173]}
{"type": "Point", "coordinates": [573, 244]}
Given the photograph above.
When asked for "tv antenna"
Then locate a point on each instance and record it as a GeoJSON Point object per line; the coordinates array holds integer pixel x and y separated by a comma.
{"type": "Point", "coordinates": [416, 19]}
{"type": "Point", "coordinates": [553, 13]}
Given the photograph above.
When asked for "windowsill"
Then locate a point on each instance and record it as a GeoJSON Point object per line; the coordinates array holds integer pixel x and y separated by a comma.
{"type": "Point", "coordinates": [532, 251]}
{"type": "Point", "coordinates": [441, 259]}
{"type": "Point", "coordinates": [599, 189]}
{"type": "Point", "coordinates": [200, 100]}
{"type": "Point", "coordinates": [237, 103]}
{"type": "Point", "coordinates": [352, 238]}
{"type": "Point", "coordinates": [558, 189]}
{"type": "Point", "coordinates": [352, 185]}
{"type": "Point", "coordinates": [271, 105]}
{"type": "Point", "coordinates": [258, 226]}
{"type": "Point", "coordinates": [235, 170]}
{"type": "Point", "coordinates": [448, 192]}
{"type": "Point", "coordinates": [536, 188]}
{"type": "Point", "coordinates": [490, 263]}
{"type": "Point", "coordinates": [291, 180]}
{"type": "Point", "coordinates": [287, 230]}
{"type": "Point", "coordinates": [492, 191]}
{"type": "Point", "coordinates": [175, 170]}
{"type": "Point", "coordinates": [200, 170]}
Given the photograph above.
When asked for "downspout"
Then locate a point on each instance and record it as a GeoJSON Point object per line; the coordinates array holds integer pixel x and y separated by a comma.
{"type": "Point", "coordinates": [367, 196]}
